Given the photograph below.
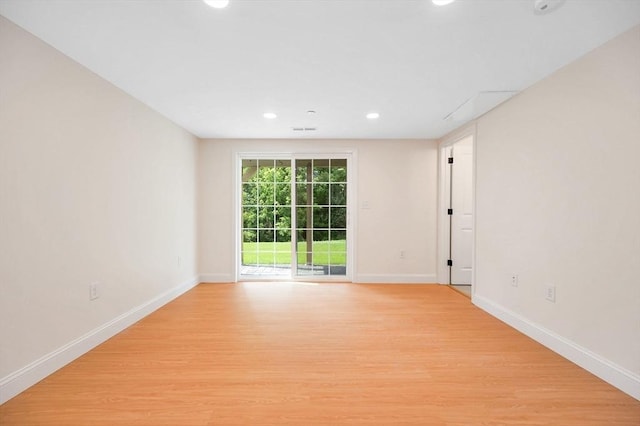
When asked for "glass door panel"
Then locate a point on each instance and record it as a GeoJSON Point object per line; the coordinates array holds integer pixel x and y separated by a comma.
{"type": "Point", "coordinates": [321, 194]}
{"type": "Point", "coordinates": [266, 218]}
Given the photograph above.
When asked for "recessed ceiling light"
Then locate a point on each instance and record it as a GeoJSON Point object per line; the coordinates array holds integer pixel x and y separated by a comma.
{"type": "Point", "coordinates": [373, 116]}
{"type": "Point", "coordinates": [442, 2]}
{"type": "Point", "coordinates": [270, 115]}
{"type": "Point", "coordinates": [218, 4]}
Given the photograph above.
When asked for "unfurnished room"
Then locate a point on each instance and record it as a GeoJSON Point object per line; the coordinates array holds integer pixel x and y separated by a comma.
{"type": "Point", "coordinates": [320, 212]}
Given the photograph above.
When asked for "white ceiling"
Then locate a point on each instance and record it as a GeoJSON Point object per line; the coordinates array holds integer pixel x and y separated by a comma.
{"type": "Point", "coordinates": [215, 72]}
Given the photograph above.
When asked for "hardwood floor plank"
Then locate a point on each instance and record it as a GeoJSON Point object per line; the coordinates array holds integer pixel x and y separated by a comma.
{"type": "Point", "coordinates": [329, 354]}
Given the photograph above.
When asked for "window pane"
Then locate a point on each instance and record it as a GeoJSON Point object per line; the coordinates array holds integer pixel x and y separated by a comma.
{"type": "Point", "coordinates": [267, 259]}
{"type": "Point", "coordinates": [340, 235]}
{"type": "Point", "coordinates": [339, 257]}
{"type": "Point", "coordinates": [302, 197]}
{"type": "Point", "coordinates": [267, 245]}
{"type": "Point", "coordinates": [266, 196]}
{"type": "Point", "coordinates": [302, 237]}
{"type": "Point", "coordinates": [320, 241]}
{"type": "Point", "coordinates": [304, 171]}
{"type": "Point", "coordinates": [249, 170]}
{"type": "Point", "coordinates": [282, 194]}
{"type": "Point", "coordinates": [302, 257]}
{"type": "Point", "coordinates": [338, 217]}
{"type": "Point", "coordinates": [265, 217]}
{"type": "Point", "coordinates": [321, 194]}
{"type": "Point", "coordinates": [250, 217]}
{"type": "Point", "coordinates": [265, 169]}
{"type": "Point", "coordinates": [320, 217]}
{"type": "Point", "coordinates": [249, 194]}
{"type": "Point", "coordinates": [321, 170]}
{"type": "Point", "coordinates": [283, 235]}
{"type": "Point", "coordinates": [303, 216]}
{"type": "Point", "coordinates": [249, 257]}
{"type": "Point", "coordinates": [283, 217]}
{"type": "Point", "coordinates": [283, 164]}
{"type": "Point", "coordinates": [339, 194]}
{"type": "Point", "coordinates": [249, 236]}
{"type": "Point", "coordinates": [265, 236]}
{"type": "Point", "coordinates": [283, 259]}
{"type": "Point", "coordinates": [338, 171]}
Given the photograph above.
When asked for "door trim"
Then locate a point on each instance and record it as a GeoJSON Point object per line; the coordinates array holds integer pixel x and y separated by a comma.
{"type": "Point", "coordinates": [443, 202]}
{"type": "Point", "coordinates": [350, 155]}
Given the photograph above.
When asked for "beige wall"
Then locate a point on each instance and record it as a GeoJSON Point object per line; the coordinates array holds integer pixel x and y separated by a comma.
{"type": "Point", "coordinates": [397, 178]}
{"type": "Point", "coordinates": [94, 186]}
{"type": "Point", "coordinates": [558, 202]}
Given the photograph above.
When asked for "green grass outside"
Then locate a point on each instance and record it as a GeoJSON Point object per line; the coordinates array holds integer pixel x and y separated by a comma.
{"type": "Point", "coordinates": [324, 253]}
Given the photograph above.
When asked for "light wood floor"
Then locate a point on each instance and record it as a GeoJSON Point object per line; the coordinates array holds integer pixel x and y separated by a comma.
{"type": "Point", "coordinates": [331, 354]}
{"type": "Point", "coordinates": [462, 288]}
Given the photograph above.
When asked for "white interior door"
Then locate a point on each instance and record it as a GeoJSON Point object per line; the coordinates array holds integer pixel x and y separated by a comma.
{"type": "Point", "coordinates": [462, 215]}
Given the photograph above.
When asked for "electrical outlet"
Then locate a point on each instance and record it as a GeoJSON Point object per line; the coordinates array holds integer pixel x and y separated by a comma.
{"type": "Point", "coordinates": [93, 291]}
{"type": "Point", "coordinates": [402, 254]}
{"type": "Point", "coordinates": [514, 280]}
{"type": "Point", "coordinates": [179, 262]}
{"type": "Point", "coordinates": [550, 293]}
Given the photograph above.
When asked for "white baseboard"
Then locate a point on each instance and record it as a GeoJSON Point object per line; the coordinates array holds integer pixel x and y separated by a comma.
{"type": "Point", "coordinates": [20, 380]}
{"type": "Point", "coordinates": [395, 278]}
{"type": "Point", "coordinates": [216, 278]}
{"type": "Point", "coordinates": [362, 278]}
{"type": "Point", "coordinates": [611, 373]}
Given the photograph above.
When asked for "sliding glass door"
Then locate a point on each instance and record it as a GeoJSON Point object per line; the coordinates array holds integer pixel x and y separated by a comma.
{"type": "Point", "coordinates": [294, 216]}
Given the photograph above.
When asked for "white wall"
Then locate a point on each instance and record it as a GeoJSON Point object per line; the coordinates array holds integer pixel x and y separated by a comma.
{"type": "Point", "coordinates": [398, 179]}
{"type": "Point", "coordinates": [558, 202]}
{"type": "Point", "coordinates": [94, 186]}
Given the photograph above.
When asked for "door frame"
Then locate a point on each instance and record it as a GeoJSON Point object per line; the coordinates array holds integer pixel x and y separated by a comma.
{"type": "Point", "coordinates": [443, 204]}
{"type": "Point", "coordinates": [351, 157]}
